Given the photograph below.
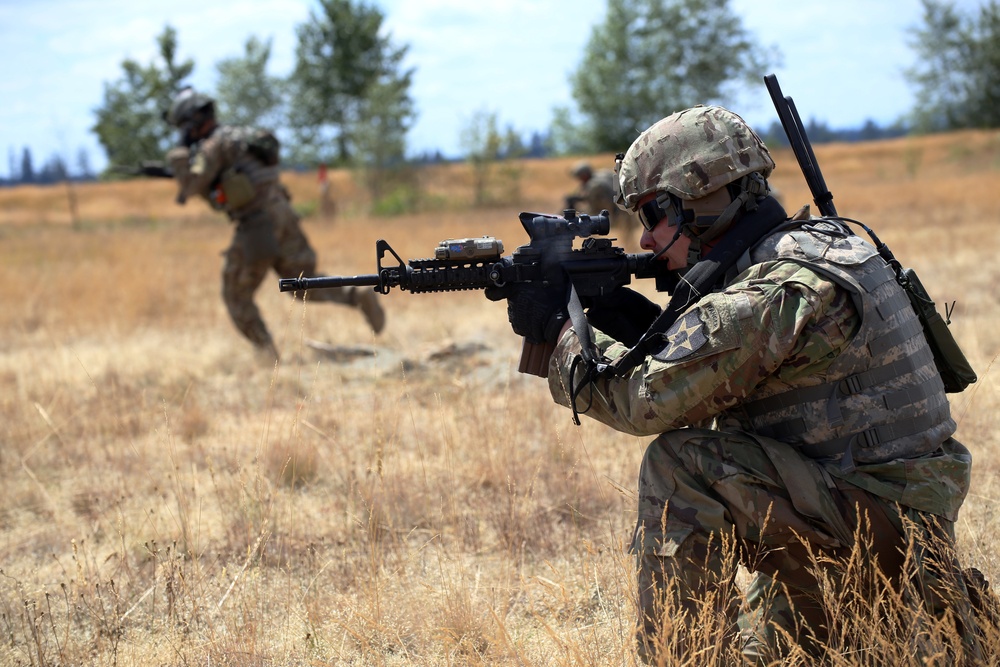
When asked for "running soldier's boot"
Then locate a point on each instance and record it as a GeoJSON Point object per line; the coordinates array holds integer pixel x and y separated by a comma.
{"type": "Point", "coordinates": [367, 300]}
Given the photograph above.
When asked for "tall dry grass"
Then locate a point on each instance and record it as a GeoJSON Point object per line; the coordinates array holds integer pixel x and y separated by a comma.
{"type": "Point", "coordinates": [168, 499]}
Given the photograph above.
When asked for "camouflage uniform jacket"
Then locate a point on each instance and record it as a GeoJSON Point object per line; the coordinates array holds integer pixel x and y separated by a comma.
{"type": "Point", "coordinates": [221, 169]}
{"type": "Point", "coordinates": [765, 354]}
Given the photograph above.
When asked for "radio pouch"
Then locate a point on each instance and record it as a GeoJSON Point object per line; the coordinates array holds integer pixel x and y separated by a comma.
{"type": "Point", "coordinates": [955, 369]}
{"type": "Point", "coordinates": [237, 188]}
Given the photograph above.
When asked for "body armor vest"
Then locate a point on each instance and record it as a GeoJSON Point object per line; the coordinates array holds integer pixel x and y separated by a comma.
{"type": "Point", "coordinates": [883, 397]}
{"type": "Point", "coordinates": [241, 167]}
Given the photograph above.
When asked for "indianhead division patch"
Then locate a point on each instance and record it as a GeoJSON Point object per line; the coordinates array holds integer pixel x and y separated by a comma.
{"type": "Point", "coordinates": [685, 337]}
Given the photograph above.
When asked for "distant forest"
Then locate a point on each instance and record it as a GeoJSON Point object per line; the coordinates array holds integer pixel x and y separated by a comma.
{"type": "Point", "coordinates": [821, 133]}
{"type": "Point", "coordinates": [55, 170]}
{"type": "Point", "coordinates": [22, 170]}
{"type": "Point", "coordinates": [362, 122]}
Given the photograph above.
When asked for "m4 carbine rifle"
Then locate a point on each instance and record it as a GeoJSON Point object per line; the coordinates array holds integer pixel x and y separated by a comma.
{"type": "Point", "coordinates": [152, 168]}
{"type": "Point", "coordinates": [592, 271]}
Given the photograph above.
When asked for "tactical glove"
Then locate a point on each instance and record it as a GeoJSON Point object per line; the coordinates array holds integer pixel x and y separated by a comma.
{"type": "Point", "coordinates": [534, 311]}
{"type": "Point", "coordinates": [624, 315]}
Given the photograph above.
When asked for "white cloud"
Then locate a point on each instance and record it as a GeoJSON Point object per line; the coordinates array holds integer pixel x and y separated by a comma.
{"type": "Point", "coordinates": [59, 53]}
{"type": "Point", "coordinates": [842, 62]}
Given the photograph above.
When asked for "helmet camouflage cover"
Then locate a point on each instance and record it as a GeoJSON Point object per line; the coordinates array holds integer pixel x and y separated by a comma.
{"type": "Point", "coordinates": [186, 105]}
{"type": "Point", "coordinates": [691, 154]}
{"type": "Point", "coordinates": [582, 170]}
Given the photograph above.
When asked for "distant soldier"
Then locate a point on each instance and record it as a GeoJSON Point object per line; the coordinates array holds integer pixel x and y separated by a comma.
{"type": "Point", "coordinates": [235, 169]}
{"type": "Point", "coordinates": [597, 193]}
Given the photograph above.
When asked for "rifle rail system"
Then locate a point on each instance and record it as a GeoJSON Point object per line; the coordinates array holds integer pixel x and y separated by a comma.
{"type": "Point", "coordinates": [593, 270]}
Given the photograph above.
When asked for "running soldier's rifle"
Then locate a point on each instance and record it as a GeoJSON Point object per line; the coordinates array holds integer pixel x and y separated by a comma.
{"type": "Point", "coordinates": [585, 274]}
{"type": "Point", "coordinates": [152, 168]}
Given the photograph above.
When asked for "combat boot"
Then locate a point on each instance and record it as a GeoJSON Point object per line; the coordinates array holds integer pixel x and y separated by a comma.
{"type": "Point", "coordinates": [367, 300]}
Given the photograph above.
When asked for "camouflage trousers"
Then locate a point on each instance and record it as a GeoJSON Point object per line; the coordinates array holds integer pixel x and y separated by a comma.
{"type": "Point", "coordinates": [711, 501]}
{"type": "Point", "coordinates": [268, 239]}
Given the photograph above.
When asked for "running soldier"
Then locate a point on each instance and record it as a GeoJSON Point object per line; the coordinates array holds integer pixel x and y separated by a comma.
{"type": "Point", "coordinates": [236, 170]}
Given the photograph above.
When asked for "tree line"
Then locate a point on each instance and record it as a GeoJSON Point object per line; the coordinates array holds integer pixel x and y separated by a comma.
{"type": "Point", "coordinates": [22, 169]}
{"type": "Point", "coordinates": [347, 100]}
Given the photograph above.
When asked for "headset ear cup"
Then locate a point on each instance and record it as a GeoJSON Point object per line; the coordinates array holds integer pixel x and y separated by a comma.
{"type": "Point", "coordinates": [677, 215]}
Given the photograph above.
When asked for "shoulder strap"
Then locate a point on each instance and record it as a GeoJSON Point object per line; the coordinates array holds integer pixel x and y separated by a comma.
{"type": "Point", "coordinates": [702, 278]}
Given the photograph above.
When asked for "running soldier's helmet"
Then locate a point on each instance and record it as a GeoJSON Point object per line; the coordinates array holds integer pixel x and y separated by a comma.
{"type": "Point", "coordinates": [189, 107]}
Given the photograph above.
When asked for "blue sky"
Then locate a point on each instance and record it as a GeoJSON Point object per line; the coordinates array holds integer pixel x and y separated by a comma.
{"type": "Point", "coordinates": [510, 57]}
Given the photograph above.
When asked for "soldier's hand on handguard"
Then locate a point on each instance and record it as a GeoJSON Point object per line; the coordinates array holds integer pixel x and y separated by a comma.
{"type": "Point", "coordinates": [624, 315]}
{"type": "Point", "coordinates": [534, 311]}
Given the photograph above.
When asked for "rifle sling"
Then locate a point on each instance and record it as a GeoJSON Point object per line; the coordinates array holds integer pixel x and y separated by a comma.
{"type": "Point", "coordinates": [588, 350]}
{"type": "Point", "coordinates": [701, 278]}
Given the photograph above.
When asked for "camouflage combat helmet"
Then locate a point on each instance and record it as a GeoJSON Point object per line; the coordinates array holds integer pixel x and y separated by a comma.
{"type": "Point", "coordinates": [189, 106]}
{"type": "Point", "coordinates": [581, 170]}
{"type": "Point", "coordinates": [691, 154]}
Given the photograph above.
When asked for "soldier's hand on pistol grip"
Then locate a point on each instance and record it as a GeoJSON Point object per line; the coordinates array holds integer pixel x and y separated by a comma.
{"type": "Point", "coordinates": [536, 312]}
{"type": "Point", "coordinates": [624, 315]}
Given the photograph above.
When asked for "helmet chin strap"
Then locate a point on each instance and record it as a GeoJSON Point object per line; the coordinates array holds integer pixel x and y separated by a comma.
{"type": "Point", "coordinates": [718, 225]}
{"type": "Point", "coordinates": [744, 195]}
{"type": "Point", "coordinates": [681, 219]}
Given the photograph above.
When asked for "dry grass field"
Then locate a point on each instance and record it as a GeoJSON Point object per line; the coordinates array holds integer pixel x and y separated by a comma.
{"type": "Point", "coordinates": [168, 499]}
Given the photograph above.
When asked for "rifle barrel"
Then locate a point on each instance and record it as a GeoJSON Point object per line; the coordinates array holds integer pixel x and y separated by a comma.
{"type": "Point", "coordinates": [297, 284]}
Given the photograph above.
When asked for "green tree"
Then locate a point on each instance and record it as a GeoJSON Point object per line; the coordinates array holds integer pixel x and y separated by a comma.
{"type": "Point", "coordinates": [27, 166]}
{"type": "Point", "coordinates": [379, 138]}
{"type": "Point", "coordinates": [568, 137]}
{"type": "Point", "coordinates": [130, 124]}
{"type": "Point", "coordinates": [346, 67]}
{"type": "Point", "coordinates": [650, 58]}
{"type": "Point", "coordinates": [481, 141]}
{"type": "Point", "coordinates": [957, 75]}
{"type": "Point", "coordinates": [246, 94]}
{"type": "Point", "coordinates": [496, 176]}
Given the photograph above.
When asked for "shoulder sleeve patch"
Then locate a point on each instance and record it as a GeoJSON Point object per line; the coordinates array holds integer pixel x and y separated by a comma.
{"type": "Point", "coordinates": [685, 337]}
{"type": "Point", "coordinates": [744, 308]}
